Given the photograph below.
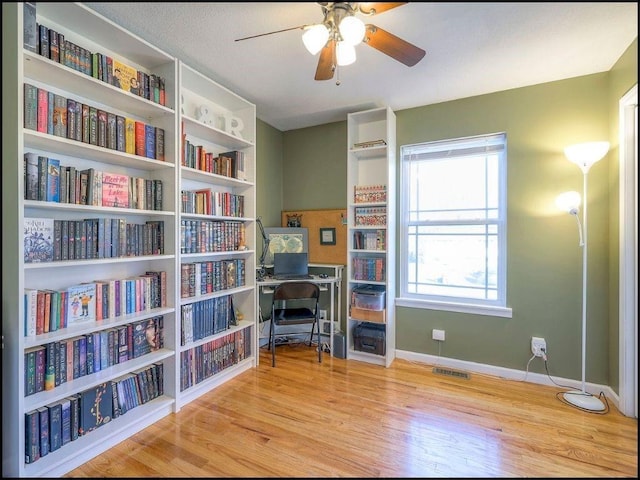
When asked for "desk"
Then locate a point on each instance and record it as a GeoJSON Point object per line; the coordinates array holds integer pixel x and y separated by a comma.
{"type": "Point", "coordinates": [267, 285]}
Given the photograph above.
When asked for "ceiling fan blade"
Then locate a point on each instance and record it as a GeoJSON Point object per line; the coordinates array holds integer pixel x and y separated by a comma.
{"type": "Point", "coordinates": [373, 8]}
{"type": "Point", "coordinates": [326, 63]}
{"type": "Point", "coordinates": [271, 33]}
{"type": "Point", "coordinates": [393, 46]}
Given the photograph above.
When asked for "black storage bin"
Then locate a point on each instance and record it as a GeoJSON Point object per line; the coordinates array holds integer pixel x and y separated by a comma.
{"type": "Point", "coordinates": [370, 338]}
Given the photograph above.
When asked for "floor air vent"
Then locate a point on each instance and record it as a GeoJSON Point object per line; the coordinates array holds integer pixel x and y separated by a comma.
{"type": "Point", "coordinates": [451, 373]}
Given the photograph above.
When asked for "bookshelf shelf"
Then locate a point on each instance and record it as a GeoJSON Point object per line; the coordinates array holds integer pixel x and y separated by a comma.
{"type": "Point", "coordinates": [371, 176]}
{"type": "Point", "coordinates": [64, 146]}
{"type": "Point", "coordinates": [162, 109]}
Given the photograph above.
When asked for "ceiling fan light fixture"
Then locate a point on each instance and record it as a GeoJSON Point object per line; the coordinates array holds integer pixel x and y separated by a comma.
{"type": "Point", "coordinates": [345, 53]}
{"type": "Point", "coordinates": [352, 30]}
{"type": "Point", "coordinates": [315, 37]}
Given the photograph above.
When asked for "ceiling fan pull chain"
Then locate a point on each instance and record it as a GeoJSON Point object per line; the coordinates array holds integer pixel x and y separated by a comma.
{"type": "Point", "coordinates": [337, 74]}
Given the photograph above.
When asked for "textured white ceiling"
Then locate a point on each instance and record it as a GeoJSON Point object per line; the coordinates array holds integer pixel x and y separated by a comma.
{"type": "Point", "coordinates": [472, 49]}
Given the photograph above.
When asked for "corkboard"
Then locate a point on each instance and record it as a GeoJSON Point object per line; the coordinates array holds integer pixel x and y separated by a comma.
{"type": "Point", "coordinates": [313, 221]}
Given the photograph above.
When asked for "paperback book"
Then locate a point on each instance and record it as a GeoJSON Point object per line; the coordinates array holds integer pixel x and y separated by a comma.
{"type": "Point", "coordinates": [38, 240]}
{"type": "Point", "coordinates": [81, 303]}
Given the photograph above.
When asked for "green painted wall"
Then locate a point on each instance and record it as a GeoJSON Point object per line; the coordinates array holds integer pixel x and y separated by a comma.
{"type": "Point", "coordinates": [315, 169]}
{"type": "Point", "coordinates": [544, 276]}
{"type": "Point", "coordinates": [544, 258]}
{"type": "Point", "coordinates": [269, 168]}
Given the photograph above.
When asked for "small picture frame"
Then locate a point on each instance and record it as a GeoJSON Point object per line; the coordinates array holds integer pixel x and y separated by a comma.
{"type": "Point", "coordinates": [327, 236]}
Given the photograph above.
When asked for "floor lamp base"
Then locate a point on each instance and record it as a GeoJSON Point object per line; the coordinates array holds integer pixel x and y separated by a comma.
{"type": "Point", "coordinates": [584, 400]}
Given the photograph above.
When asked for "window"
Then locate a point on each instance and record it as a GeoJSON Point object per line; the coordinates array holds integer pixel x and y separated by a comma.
{"type": "Point", "coordinates": [453, 224]}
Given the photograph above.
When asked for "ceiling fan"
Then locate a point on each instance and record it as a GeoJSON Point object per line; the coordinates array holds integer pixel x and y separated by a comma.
{"type": "Point", "coordinates": [341, 30]}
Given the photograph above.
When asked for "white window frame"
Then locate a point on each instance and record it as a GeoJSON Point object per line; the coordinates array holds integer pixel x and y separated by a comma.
{"type": "Point", "coordinates": [495, 307]}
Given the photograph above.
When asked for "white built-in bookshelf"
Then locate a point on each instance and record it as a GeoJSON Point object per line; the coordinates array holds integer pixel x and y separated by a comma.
{"type": "Point", "coordinates": [150, 235]}
{"type": "Point", "coordinates": [371, 178]}
{"type": "Point", "coordinates": [217, 230]}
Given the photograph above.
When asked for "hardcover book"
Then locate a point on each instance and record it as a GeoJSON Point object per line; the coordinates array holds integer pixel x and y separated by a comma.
{"type": "Point", "coordinates": [130, 135]}
{"type": "Point", "coordinates": [44, 430]}
{"type": "Point", "coordinates": [81, 303]}
{"type": "Point", "coordinates": [43, 110]}
{"type": "Point", "coordinates": [74, 401]}
{"type": "Point", "coordinates": [144, 337]}
{"type": "Point", "coordinates": [50, 105]}
{"type": "Point", "coordinates": [31, 176]}
{"type": "Point", "coordinates": [38, 240]}
{"type": "Point", "coordinates": [44, 41]}
{"type": "Point", "coordinates": [54, 47]}
{"type": "Point", "coordinates": [55, 426]}
{"type": "Point", "coordinates": [66, 421]}
{"type": "Point", "coordinates": [150, 141]}
{"type": "Point", "coordinates": [96, 407]}
{"type": "Point", "coordinates": [32, 436]}
{"type": "Point", "coordinates": [53, 180]}
{"type": "Point", "coordinates": [30, 311]}
{"type": "Point", "coordinates": [60, 116]}
{"type": "Point", "coordinates": [30, 29]}
{"type": "Point", "coordinates": [30, 107]}
{"type": "Point", "coordinates": [125, 77]}
{"type": "Point", "coordinates": [115, 190]}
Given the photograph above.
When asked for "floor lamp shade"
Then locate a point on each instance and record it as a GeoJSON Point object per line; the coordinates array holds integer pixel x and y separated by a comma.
{"type": "Point", "coordinates": [584, 155]}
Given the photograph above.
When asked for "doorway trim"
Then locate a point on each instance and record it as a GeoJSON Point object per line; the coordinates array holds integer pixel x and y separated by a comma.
{"type": "Point", "coordinates": [628, 254]}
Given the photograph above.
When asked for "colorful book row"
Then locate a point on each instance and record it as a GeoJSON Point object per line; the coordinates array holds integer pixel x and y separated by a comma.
{"type": "Point", "coordinates": [368, 269]}
{"type": "Point", "coordinates": [45, 179]}
{"type": "Point", "coordinates": [375, 216]}
{"type": "Point", "coordinates": [52, 240]}
{"type": "Point", "coordinates": [206, 277]}
{"type": "Point", "coordinates": [201, 236]}
{"type": "Point", "coordinates": [229, 164]}
{"type": "Point", "coordinates": [51, 310]}
{"type": "Point", "coordinates": [56, 363]}
{"type": "Point", "coordinates": [202, 362]}
{"type": "Point", "coordinates": [52, 426]}
{"type": "Point", "coordinates": [369, 240]}
{"type": "Point", "coordinates": [53, 45]}
{"type": "Point", "coordinates": [208, 202]}
{"type": "Point", "coordinates": [369, 193]}
{"type": "Point", "coordinates": [202, 319]}
{"type": "Point", "coordinates": [54, 114]}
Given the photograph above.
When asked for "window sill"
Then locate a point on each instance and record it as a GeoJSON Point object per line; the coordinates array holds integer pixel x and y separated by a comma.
{"type": "Point", "coordinates": [456, 307]}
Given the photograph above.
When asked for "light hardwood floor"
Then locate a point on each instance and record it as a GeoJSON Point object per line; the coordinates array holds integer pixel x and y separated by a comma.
{"type": "Point", "coordinates": [351, 419]}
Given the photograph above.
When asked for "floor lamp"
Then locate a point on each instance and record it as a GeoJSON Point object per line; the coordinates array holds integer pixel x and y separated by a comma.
{"type": "Point", "coordinates": [584, 155]}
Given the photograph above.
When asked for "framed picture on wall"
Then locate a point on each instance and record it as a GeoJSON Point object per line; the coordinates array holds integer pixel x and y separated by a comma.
{"type": "Point", "coordinates": [285, 240]}
{"type": "Point", "coordinates": [327, 236]}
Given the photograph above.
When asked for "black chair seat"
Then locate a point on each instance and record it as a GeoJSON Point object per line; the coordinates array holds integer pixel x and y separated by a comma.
{"type": "Point", "coordinates": [295, 303]}
{"type": "Point", "coordinates": [293, 316]}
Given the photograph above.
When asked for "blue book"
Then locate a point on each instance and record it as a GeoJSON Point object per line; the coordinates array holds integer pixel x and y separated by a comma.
{"type": "Point", "coordinates": [89, 353]}
{"type": "Point", "coordinates": [150, 141]}
{"type": "Point", "coordinates": [66, 421]}
{"type": "Point", "coordinates": [104, 349]}
{"type": "Point", "coordinates": [55, 426]}
{"type": "Point", "coordinates": [44, 430]}
{"type": "Point", "coordinates": [74, 401]}
{"type": "Point", "coordinates": [32, 431]}
{"type": "Point", "coordinates": [53, 180]}
{"type": "Point", "coordinates": [97, 352]}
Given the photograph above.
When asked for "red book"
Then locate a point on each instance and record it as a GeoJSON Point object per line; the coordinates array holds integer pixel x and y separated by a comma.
{"type": "Point", "coordinates": [43, 110]}
{"type": "Point", "coordinates": [40, 314]}
{"type": "Point", "coordinates": [140, 139]}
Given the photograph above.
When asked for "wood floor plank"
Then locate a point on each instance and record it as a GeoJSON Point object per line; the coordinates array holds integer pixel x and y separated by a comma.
{"type": "Point", "coordinates": [344, 418]}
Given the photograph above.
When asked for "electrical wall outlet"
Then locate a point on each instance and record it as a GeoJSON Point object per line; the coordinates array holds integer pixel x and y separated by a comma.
{"type": "Point", "coordinates": [437, 335]}
{"type": "Point", "coordinates": [538, 346]}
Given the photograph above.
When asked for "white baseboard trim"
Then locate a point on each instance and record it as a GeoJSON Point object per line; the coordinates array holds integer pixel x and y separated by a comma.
{"type": "Point", "coordinates": [508, 373]}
